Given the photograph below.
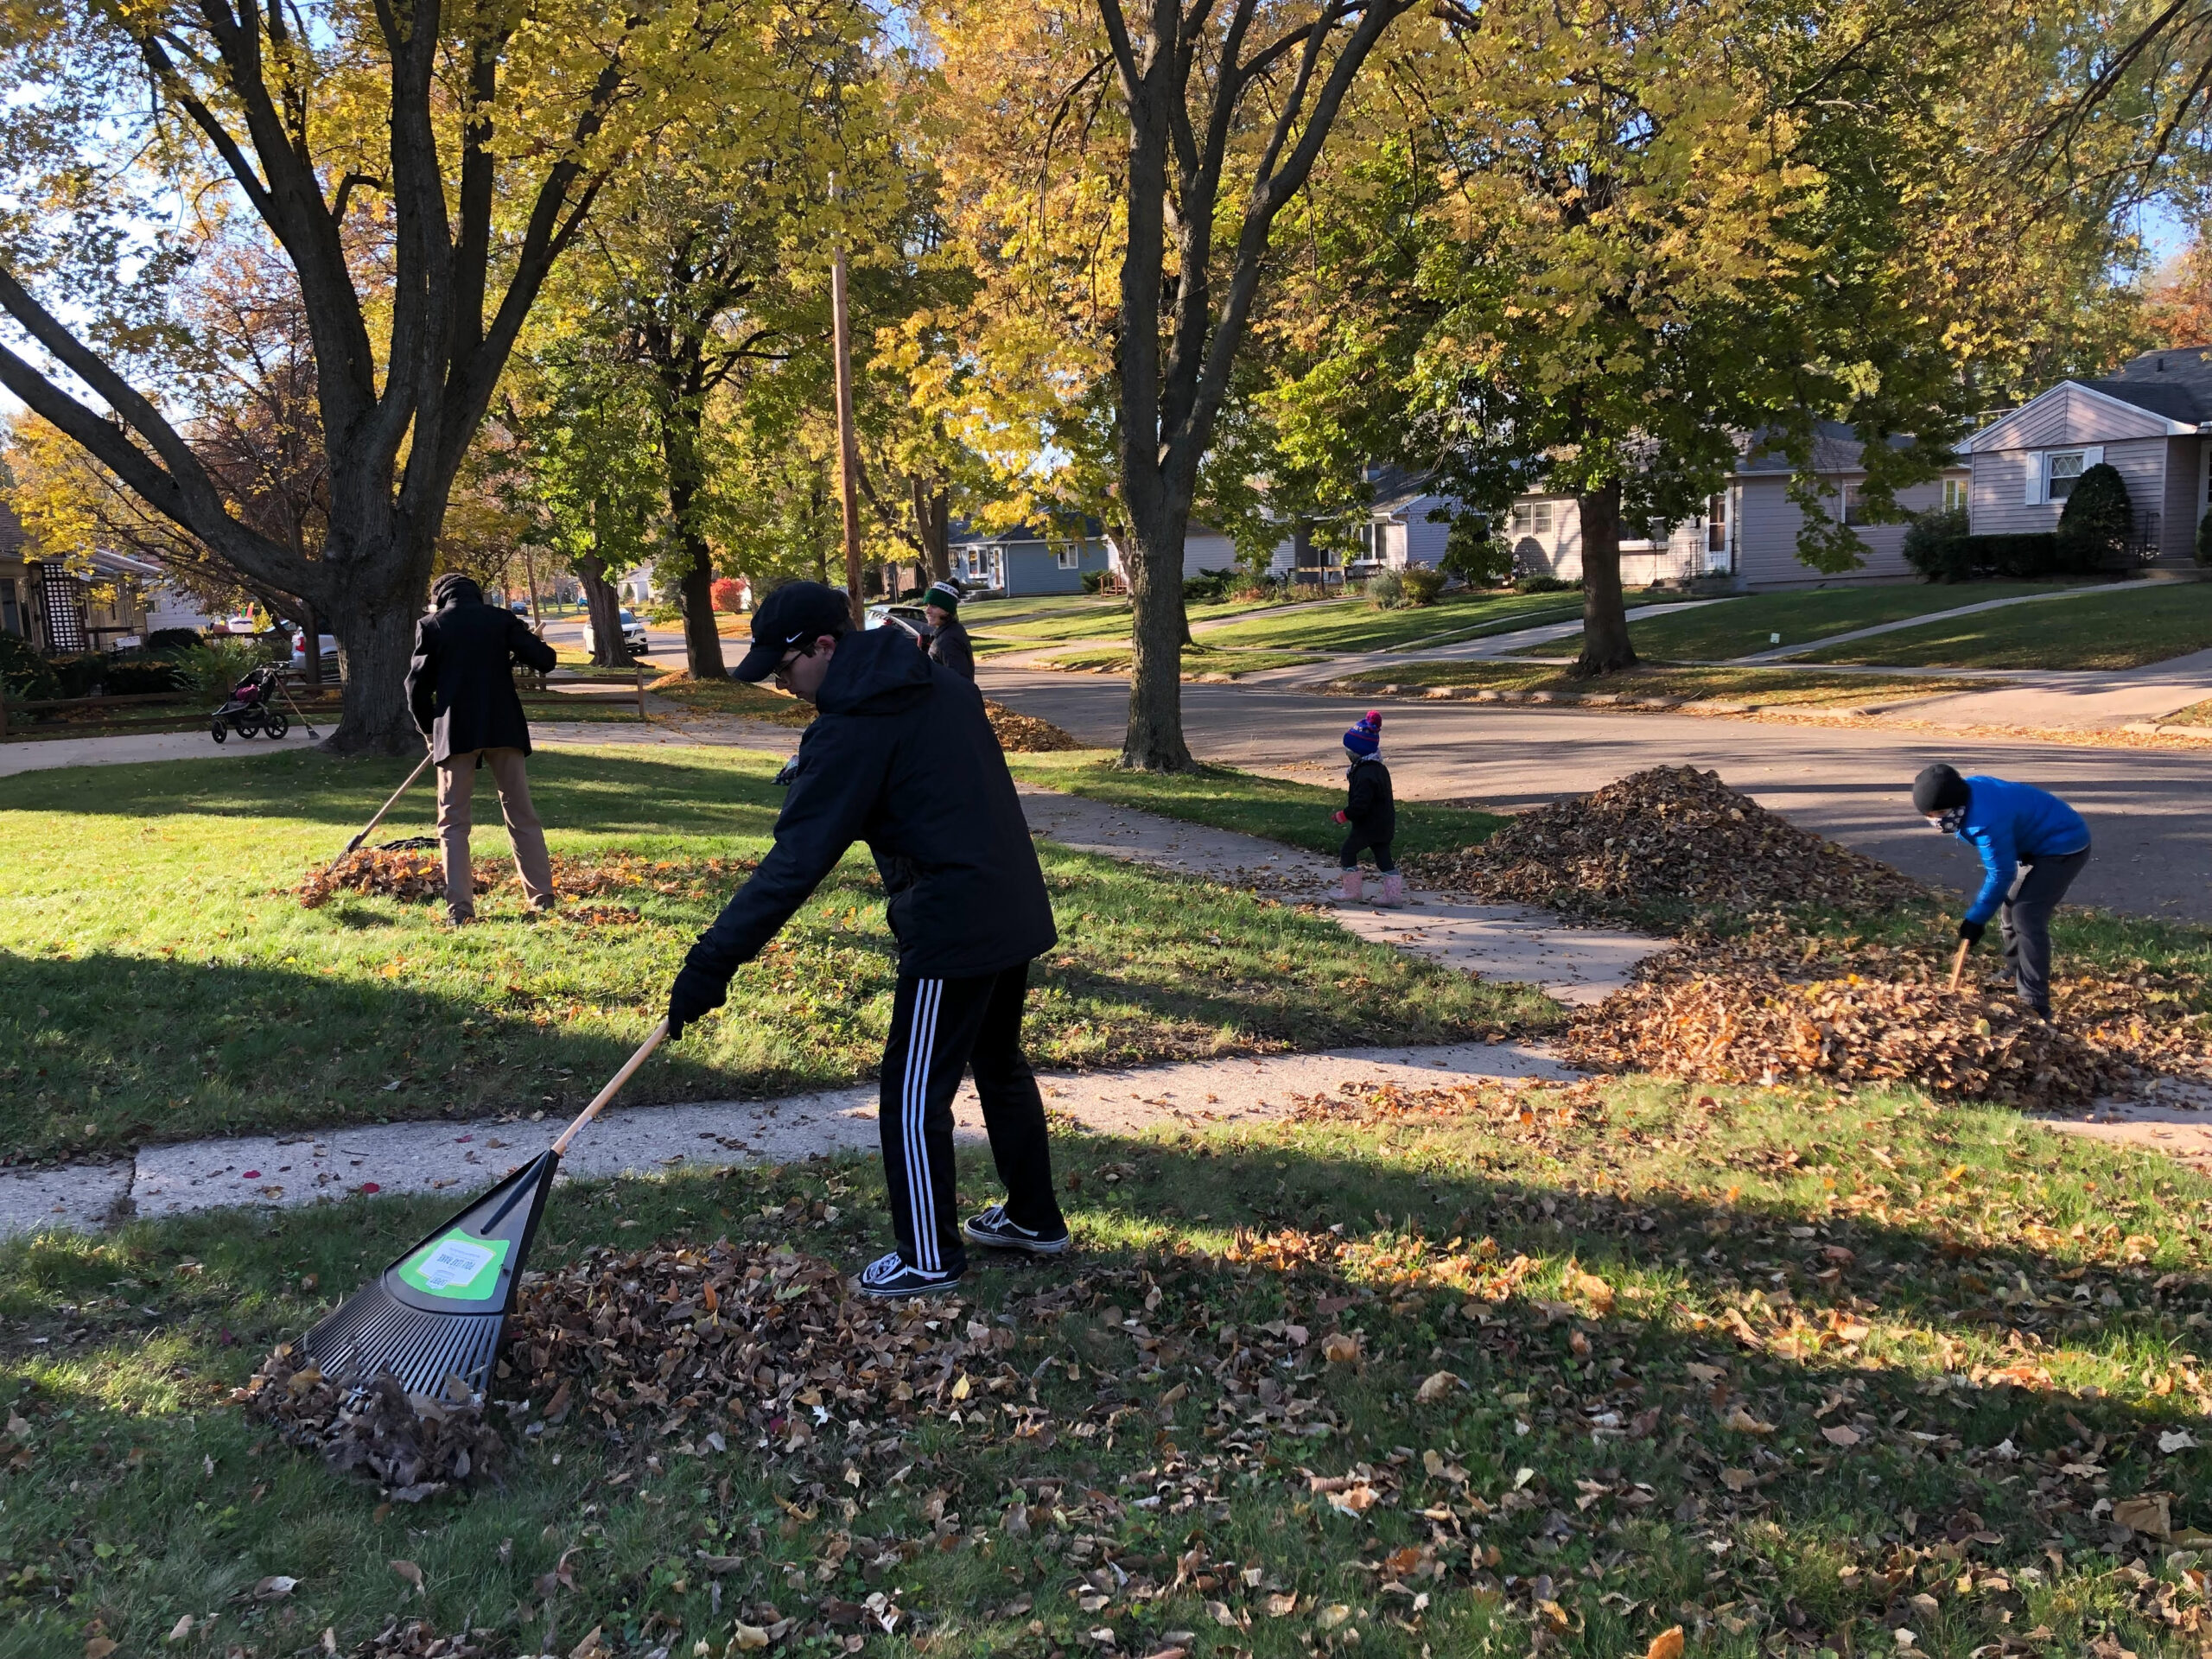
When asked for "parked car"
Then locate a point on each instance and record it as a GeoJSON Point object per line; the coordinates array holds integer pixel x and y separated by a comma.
{"type": "Point", "coordinates": [327, 648]}
{"type": "Point", "coordinates": [633, 635]}
{"type": "Point", "coordinates": [910, 615]}
{"type": "Point", "coordinates": [520, 607]}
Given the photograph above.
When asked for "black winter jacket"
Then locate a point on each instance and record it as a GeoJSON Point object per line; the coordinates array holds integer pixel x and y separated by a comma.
{"type": "Point", "coordinates": [1370, 810]}
{"type": "Point", "coordinates": [461, 686]}
{"type": "Point", "coordinates": [901, 757]}
{"type": "Point", "coordinates": [949, 645]}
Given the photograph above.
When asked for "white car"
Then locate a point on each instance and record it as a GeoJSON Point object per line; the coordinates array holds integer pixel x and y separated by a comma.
{"type": "Point", "coordinates": [633, 635]}
{"type": "Point", "coordinates": [327, 648]}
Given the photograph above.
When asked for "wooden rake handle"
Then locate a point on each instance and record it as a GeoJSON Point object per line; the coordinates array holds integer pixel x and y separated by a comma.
{"type": "Point", "coordinates": [615, 1086]}
{"type": "Point", "coordinates": [369, 827]}
{"type": "Point", "coordinates": [1958, 963]}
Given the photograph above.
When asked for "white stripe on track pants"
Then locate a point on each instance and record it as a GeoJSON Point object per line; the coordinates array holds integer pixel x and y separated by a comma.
{"type": "Point", "coordinates": [941, 1028]}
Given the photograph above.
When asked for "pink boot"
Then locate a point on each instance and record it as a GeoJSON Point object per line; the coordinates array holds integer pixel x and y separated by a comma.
{"type": "Point", "coordinates": [1351, 888]}
{"type": "Point", "coordinates": [1393, 889]}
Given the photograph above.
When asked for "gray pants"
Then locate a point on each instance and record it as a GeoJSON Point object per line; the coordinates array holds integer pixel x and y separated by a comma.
{"type": "Point", "coordinates": [456, 782]}
{"type": "Point", "coordinates": [2026, 920]}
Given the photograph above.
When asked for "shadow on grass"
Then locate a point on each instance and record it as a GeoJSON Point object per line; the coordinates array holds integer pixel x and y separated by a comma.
{"type": "Point", "coordinates": [1734, 1506]}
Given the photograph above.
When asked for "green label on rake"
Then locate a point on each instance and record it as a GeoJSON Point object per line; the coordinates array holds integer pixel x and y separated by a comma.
{"type": "Point", "coordinates": [459, 1267]}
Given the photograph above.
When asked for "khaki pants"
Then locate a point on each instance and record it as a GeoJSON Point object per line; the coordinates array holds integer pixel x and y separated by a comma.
{"type": "Point", "coordinates": [456, 782]}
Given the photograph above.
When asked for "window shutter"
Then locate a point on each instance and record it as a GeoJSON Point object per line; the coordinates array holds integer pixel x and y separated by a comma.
{"type": "Point", "coordinates": [2035, 479]}
{"type": "Point", "coordinates": [2092, 457]}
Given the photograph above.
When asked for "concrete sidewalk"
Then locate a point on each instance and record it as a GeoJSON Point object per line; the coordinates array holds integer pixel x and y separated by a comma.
{"type": "Point", "coordinates": [2056, 700]}
{"type": "Point", "coordinates": [1574, 965]}
{"type": "Point", "coordinates": [289, 1172]}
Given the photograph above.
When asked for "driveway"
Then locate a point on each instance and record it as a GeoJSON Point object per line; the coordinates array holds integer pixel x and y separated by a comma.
{"type": "Point", "coordinates": [2149, 810]}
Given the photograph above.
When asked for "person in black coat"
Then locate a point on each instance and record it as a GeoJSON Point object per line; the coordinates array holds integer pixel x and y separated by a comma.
{"type": "Point", "coordinates": [948, 638]}
{"type": "Point", "coordinates": [902, 757]}
{"type": "Point", "coordinates": [1369, 812]}
{"type": "Point", "coordinates": [461, 688]}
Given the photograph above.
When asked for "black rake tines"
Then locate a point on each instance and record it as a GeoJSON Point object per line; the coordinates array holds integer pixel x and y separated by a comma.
{"type": "Point", "coordinates": [373, 1333]}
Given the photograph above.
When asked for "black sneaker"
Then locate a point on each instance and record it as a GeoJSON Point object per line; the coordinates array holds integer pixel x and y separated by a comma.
{"type": "Point", "coordinates": [889, 1279]}
{"type": "Point", "coordinates": [995, 1232]}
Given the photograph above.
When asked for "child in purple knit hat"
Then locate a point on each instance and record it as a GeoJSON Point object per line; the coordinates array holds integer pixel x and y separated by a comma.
{"type": "Point", "coordinates": [1371, 814]}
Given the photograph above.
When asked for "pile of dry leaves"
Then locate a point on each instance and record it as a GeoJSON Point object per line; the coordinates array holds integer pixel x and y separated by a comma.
{"type": "Point", "coordinates": [1671, 833]}
{"type": "Point", "coordinates": [1774, 1006]}
{"type": "Point", "coordinates": [412, 1446]}
{"type": "Point", "coordinates": [1024, 734]}
{"type": "Point", "coordinates": [407, 874]}
{"type": "Point", "coordinates": [411, 873]}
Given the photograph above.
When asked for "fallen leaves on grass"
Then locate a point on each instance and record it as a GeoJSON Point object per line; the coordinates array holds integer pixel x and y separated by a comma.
{"type": "Point", "coordinates": [405, 875]}
{"type": "Point", "coordinates": [410, 1445]}
{"type": "Point", "coordinates": [1775, 1007]}
{"type": "Point", "coordinates": [1024, 734]}
{"type": "Point", "coordinates": [416, 1639]}
{"type": "Point", "coordinates": [1667, 833]}
{"type": "Point", "coordinates": [599, 915]}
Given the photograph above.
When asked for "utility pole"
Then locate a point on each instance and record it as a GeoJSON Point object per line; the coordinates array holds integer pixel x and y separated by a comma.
{"type": "Point", "coordinates": [848, 451]}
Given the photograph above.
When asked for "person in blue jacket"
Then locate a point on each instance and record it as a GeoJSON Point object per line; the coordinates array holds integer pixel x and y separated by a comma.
{"type": "Point", "coordinates": [2032, 846]}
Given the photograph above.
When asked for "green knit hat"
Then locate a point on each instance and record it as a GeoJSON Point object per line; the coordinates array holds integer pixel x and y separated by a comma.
{"type": "Point", "coordinates": [943, 595]}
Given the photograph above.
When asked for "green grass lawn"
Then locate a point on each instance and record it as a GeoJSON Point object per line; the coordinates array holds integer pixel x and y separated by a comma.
{"type": "Point", "coordinates": [158, 981]}
{"type": "Point", "coordinates": [1296, 814]}
{"type": "Point", "coordinates": [2128, 626]}
{"type": "Point", "coordinates": [1778, 688]}
{"type": "Point", "coordinates": [1356, 625]}
{"type": "Point", "coordinates": [1742, 627]}
{"type": "Point", "coordinates": [1791, 1369]}
{"type": "Point", "coordinates": [1198, 659]}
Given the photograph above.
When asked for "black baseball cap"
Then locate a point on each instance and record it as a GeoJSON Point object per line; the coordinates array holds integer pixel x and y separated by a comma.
{"type": "Point", "coordinates": [796, 613]}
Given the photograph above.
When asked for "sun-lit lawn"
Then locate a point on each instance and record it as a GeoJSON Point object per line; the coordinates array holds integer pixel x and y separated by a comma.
{"type": "Point", "coordinates": [158, 980]}
{"type": "Point", "coordinates": [1356, 625]}
{"type": "Point", "coordinates": [1779, 688]}
{"type": "Point", "coordinates": [1554, 1371]}
{"type": "Point", "coordinates": [1198, 660]}
{"type": "Point", "coordinates": [1742, 627]}
{"type": "Point", "coordinates": [2126, 626]}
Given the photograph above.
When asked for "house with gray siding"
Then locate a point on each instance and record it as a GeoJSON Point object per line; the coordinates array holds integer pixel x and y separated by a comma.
{"type": "Point", "coordinates": [1027, 560]}
{"type": "Point", "coordinates": [2148, 421]}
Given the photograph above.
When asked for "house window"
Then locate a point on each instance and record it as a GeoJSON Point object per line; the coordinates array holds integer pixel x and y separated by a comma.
{"type": "Point", "coordinates": [1854, 504]}
{"type": "Point", "coordinates": [11, 615]}
{"type": "Point", "coordinates": [1716, 525]}
{"type": "Point", "coordinates": [1532, 519]}
{"type": "Point", "coordinates": [1067, 559]}
{"type": "Point", "coordinates": [2061, 469]}
{"type": "Point", "coordinates": [1955, 495]}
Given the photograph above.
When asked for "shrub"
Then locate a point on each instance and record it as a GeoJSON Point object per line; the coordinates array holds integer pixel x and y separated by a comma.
{"type": "Point", "coordinates": [1934, 545]}
{"type": "Point", "coordinates": [1210, 587]}
{"type": "Point", "coordinates": [140, 677]}
{"type": "Point", "coordinates": [727, 593]}
{"type": "Point", "coordinates": [1386, 590]}
{"type": "Point", "coordinates": [1473, 551]}
{"type": "Point", "coordinates": [81, 676]}
{"type": "Point", "coordinates": [174, 638]}
{"type": "Point", "coordinates": [1094, 582]}
{"type": "Point", "coordinates": [2097, 517]}
{"type": "Point", "coordinates": [210, 671]}
{"type": "Point", "coordinates": [1543, 585]}
{"type": "Point", "coordinates": [2026, 557]}
{"type": "Point", "coordinates": [25, 675]}
{"type": "Point", "coordinates": [1422, 583]}
{"type": "Point", "coordinates": [2204, 539]}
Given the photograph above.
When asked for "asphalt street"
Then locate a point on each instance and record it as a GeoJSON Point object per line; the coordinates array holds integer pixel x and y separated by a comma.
{"type": "Point", "coordinates": [2151, 811]}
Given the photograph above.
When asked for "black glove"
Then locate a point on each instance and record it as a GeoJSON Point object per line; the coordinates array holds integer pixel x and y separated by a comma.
{"type": "Point", "coordinates": [696, 994]}
{"type": "Point", "coordinates": [1972, 931]}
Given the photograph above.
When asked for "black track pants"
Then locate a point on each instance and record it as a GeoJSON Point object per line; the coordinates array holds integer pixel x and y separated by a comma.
{"type": "Point", "coordinates": [940, 1028]}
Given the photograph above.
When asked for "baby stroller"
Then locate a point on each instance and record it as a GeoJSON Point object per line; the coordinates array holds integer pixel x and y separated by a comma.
{"type": "Point", "coordinates": [252, 708]}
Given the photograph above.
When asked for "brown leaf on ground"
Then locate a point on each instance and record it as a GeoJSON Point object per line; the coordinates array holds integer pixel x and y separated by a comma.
{"type": "Point", "coordinates": [1667, 1644]}
{"type": "Point", "coordinates": [2150, 1513]}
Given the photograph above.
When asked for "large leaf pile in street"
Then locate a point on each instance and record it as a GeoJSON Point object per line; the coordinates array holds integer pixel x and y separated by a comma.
{"type": "Point", "coordinates": [1668, 834]}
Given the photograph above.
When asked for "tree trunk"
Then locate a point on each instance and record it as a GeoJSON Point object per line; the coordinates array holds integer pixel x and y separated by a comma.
{"type": "Point", "coordinates": [1154, 555]}
{"type": "Point", "coordinates": [1606, 647]}
{"type": "Point", "coordinates": [314, 659]}
{"type": "Point", "coordinates": [702, 642]}
{"type": "Point", "coordinates": [933, 526]}
{"type": "Point", "coordinates": [604, 606]}
{"type": "Point", "coordinates": [375, 641]}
